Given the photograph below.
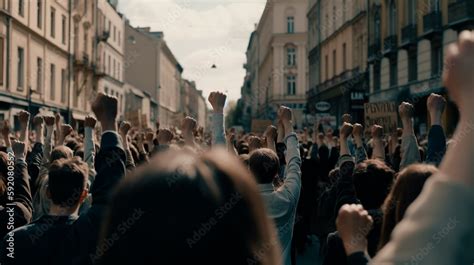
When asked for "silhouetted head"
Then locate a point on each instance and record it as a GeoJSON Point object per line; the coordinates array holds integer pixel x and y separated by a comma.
{"type": "Point", "coordinates": [183, 208]}
{"type": "Point", "coordinates": [61, 152]}
{"type": "Point", "coordinates": [264, 164]}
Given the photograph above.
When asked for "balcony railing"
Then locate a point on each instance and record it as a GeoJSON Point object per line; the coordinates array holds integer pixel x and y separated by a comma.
{"type": "Point", "coordinates": [460, 11]}
{"type": "Point", "coordinates": [339, 79]}
{"type": "Point", "coordinates": [432, 22]}
{"type": "Point", "coordinates": [374, 50]}
{"type": "Point", "coordinates": [390, 44]}
{"type": "Point", "coordinates": [409, 35]}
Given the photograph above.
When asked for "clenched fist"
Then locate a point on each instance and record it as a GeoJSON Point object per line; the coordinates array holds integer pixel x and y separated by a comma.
{"type": "Point", "coordinates": [105, 108]}
{"type": "Point", "coordinates": [19, 149]}
{"type": "Point", "coordinates": [24, 118]}
{"type": "Point", "coordinates": [354, 224]}
{"type": "Point", "coordinates": [90, 122]}
{"type": "Point", "coordinates": [165, 136]}
{"type": "Point", "coordinates": [358, 130]}
{"type": "Point", "coordinates": [271, 133]}
{"type": "Point", "coordinates": [49, 120]}
{"type": "Point", "coordinates": [406, 110]}
{"type": "Point", "coordinates": [377, 132]}
{"type": "Point", "coordinates": [217, 100]}
{"type": "Point", "coordinates": [346, 130]}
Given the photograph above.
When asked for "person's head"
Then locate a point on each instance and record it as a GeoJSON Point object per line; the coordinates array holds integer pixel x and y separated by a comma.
{"type": "Point", "coordinates": [372, 182]}
{"type": "Point", "coordinates": [3, 174]}
{"type": "Point", "coordinates": [67, 182]}
{"type": "Point", "coordinates": [73, 144]}
{"type": "Point", "coordinates": [61, 152]}
{"type": "Point", "coordinates": [183, 208]}
{"type": "Point", "coordinates": [264, 164]}
{"type": "Point", "coordinates": [405, 190]}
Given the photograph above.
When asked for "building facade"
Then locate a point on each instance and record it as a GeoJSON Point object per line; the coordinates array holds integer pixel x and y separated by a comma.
{"type": "Point", "coordinates": [193, 103]}
{"type": "Point", "coordinates": [152, 67]}
{"type": "Point", "coordinates": [277, 72]}
{"type": "Point", "coordinates": [407, 40]}
{"type": "Point", "coordinates": [337, 58]}
{"type": "Point", "coordinates": [34, 53]}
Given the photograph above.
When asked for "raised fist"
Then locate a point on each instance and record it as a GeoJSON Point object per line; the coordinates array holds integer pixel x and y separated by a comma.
{"type": "Point", "coordinates": [354, 224]}
{"type": "Point", "coordinates": [406, 110]}
{"type": "Point", "coordinates": [38, 121]}
{"type": "Point", "coordinates": [24, 117]}
{"type": "Point", "coordinates": [19, 148]}
{"type": "Point", "coordinates": [189, 124]}
{"type": "Point", "coordinates": [66, 130]}
{"type": "Point", "coordinates": [90, 122]}
{"type": "Point", "coordinates": [284, 114]}
{"type": "Point", "coordinates": [49, 120]}
{"type": "Point", "coordinates": [124, 128]}
{"type": "Point", "coordinates": [217, 100]}
{"type": "Point", "coordinates": [436, 103]}
{"type": "Point", "coordinates": [346, 130]}
{"type": "Point", "coordinates": [6, 130]}
{"type": "Point", "coordinates": [358, 130]}
{"type": "Point", "coordinates": [376, 131]}
{"type": "Point", "coordinates": [457, 76]}
{"type": "Point", "coordinates": [271, 133]}
{"type": "Point", "coordinates": [165, 136]}
{"type": "Point", "coordinates": [105, 108]}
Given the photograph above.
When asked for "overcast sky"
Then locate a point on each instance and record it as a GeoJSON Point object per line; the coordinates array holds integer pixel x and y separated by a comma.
{"type": "Point", "coordinates": [201, 33]}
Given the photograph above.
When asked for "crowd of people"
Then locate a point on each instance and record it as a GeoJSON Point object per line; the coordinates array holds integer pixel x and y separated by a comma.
{"type": "Point", "coordinates": [119, 195]}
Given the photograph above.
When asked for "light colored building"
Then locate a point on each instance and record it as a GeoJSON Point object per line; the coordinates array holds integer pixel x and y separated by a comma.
{"type": "Point", "coordinates": [406, 45]}
{"type": "Point", "coordinates": [34, 42]}
{"type": "Point", "coordinates": [249, 97]}
{"type": "Point", "coordinates": [282, 67]}
{"type": "Point", "coordinates": [152, 67]}
{"type": "Point", "coordinates": [338, 57]}
{"type": "Point", "coordinates": [110, 32]}
{"type": "Point", "coordinates": [139, 107]}
{"type": "Point", "coordinates": [193, 103]}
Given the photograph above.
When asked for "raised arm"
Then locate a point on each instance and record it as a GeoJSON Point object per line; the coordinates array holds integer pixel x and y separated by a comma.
{"type": "Point", "coordinates": [123, 131]}
{"type": "Point", "coordinates": [360, 152]}
{"type": "Point", "coordinates": [89, 146]}
{"type": "Point", "coordinates": [292, 181]}
{"type": "Point", "coordinates": [410, 152]}
{"type": "Point", "coordinates": [188, 127]}
{"type": "Point", "coordinates": [270, 135]}
{"type": "Point", "coordinates": [436, 137]}
{"type": "Point", "coordinates": [24, 119]}
{"type": "Point", "coordinates": [217, 100]}
{"type": "Point", "coordinates": [377, 142]}
{"type": "Point", "coordinates": [36, 155]}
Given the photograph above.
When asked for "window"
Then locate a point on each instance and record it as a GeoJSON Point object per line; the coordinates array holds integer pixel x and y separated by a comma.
{"type": "Point", "coordinates": [434, 5]}
{"type": "Point", "coordinates": [393, 71]}
{"type": "Point", "coordinates": [290, 21]}
{"type": "Point", "coordinates": [412, 65]}
{"type": "Point", "coordinates": [1, 60]}
{"type": "Point", "coordinates": [411, 12]}
{"type": "Point", "coordinates": [110, 26]}
{"type": "Point", "coordinates": [436, 59]}
{"type": "Point", "coordinates": [393, 18]}
{"type": "Point", "coordinates": [334, 62]}
{"type": "Point", "coordinates": [106, 90]}
{"type": "Point", "coordinates": [21, 8]}
{"type": "Point", "coordinates": [39, 14]}
{"type": "Point", "coordinates": [39, 74]}
{"type": "Point", "coordinates": [52, 80]}
{"type": "Point", "coordinates": [114, 73]}
{"type": "Point", "coordinates": [119, 38]}
{"type": "Point", "coordinates": [334, 16]}
{"type": "Point", "coordinates": [109, 65]}
{"type": "Point", "coordinates": [344, 57]}
{"type": "Point", "coordinates": [63, 86]}
{"type": "Point", "coordinates": [291, 85]}
{"type": "Point", "coordinates": [377, 76]}
{"type": "Point", "coordinates": [20, 68]}
{"type": "Point", "coordinates": [326, 62]}
{"type": "Point", "coordinates": [63, 29]}
{"type": "Point", "coordinates": [291, 55]}
{"type": "Point", "coordinates": [86, 41]}
{"type": "Point", "coordinates": [115, 32]}
{"type": "Point", "coordinates": [53, 22]}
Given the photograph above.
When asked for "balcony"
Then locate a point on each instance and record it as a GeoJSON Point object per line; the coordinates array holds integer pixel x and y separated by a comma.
{"type": "Point", "coordinates": [461, 13]}
{"type": "Point", "coordinates": [390, 44]}
{"type": "Point", "coordinates": [409, 35]}
{"type": "Point", "coordinates": [374, 51]}
{"type": "Point", "coordinates": [81, 60]}
{"type": "Point", "coordinates": [431, 23]}
{"type": "Point", "coordinates": [104, 36]}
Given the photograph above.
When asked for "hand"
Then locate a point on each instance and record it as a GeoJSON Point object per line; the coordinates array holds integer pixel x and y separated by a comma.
{"type": "Point", "coordinates": [285, 116]}
{"type": "Point", "coordinates": [105, 109]}
{"type": "Point", "coordinates": [346, 118]}
{"type": "Point", "coordinates": [457, 76]}
{"type": "Point", "coordinates": [346, 130]}
{"type": "Point", "coordinates": [377, 132]}
{"type": "Point", "coordinates": [406, 110]}
{"type": "Point", "coordinates": [270, 133]}
{"type": "Point", "coordinates": [19, 149]}
{"type": "Point", "coordinates": [188, 125]}
{"type": "Point", "coordinates": [90, 122]}
{"type": "Point", "coordinates": [436, 105]}
{"type": "Point", "coordinates": [49, 120]}
{"type": "Point", "coordinates": [38, 121]}
{"type": "Point", "coordinates": [57, 118]}
{"type": "Point", "coordinates": [24, 118]}
{"type": "Point", "coordinates": [354, 224]}
{"type": "Point", "coordinates": [6, 130]}
{"type": "Point", "coordinates": [66, 130]}
{"type": "Point", "coordinates": [358, 130]}
{"type": "Point", "coordinates": [217, 100]}
{"type": "Point", "coordinates": [165, 136]}
{"type": "Point", "coordinates": [254, 143]}
{"type": "Point", "coordinates": [124, 128]}
{"type": "Point", "coordinates": [230, 137]}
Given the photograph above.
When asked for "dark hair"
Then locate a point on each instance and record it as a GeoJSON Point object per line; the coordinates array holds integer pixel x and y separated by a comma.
{"type": "Point", "coordinates": [372, 182]}
{"type": "Point", "coordinates": [202, 209]}
{"type": "Point", "coordinates": [73, 144]}
{"type": "Point", "coordinates": [407, 187]}
{"type": "Point", "coordinates": [61, 152]}
{"type": "Point", "coordinates": [67, 179]}
{"type": "Point", "coordinates": [264, 164]}
{"type": "Point", "coordinates": [3, 174]}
